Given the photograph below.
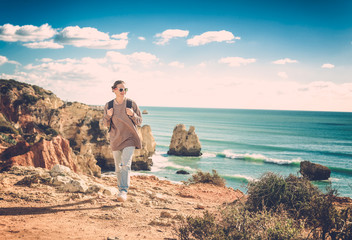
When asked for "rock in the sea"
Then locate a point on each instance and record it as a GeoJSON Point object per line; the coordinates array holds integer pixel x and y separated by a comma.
{"type": "Point", "coordinates": [314, 171]}
{"type": "Point", "coordinates": [182, 172]}
{"type": "Point", "coordinates": [184, 143]}
{"type": "Point", "coordinates": [145, 112]}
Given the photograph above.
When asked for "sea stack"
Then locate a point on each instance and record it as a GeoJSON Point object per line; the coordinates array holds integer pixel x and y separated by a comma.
{"type": "Point", "coordinates": [314, 171]}
{"type": "Point", "coordinates": [184, 143]}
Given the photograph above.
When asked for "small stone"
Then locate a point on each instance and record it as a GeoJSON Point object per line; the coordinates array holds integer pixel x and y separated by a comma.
{"type": "Point", "coordinates": [110, 191]}
{"type": "Point", "coordinates": [182, 172]}
{"type": "Point", "coordinates": [164, 214]}
{"type": "Point", "coordinates": [199, 206]}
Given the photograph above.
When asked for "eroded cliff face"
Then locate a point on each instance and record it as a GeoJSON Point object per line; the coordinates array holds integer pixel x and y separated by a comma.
{"type": "Point", "coordinates": [31, 116]}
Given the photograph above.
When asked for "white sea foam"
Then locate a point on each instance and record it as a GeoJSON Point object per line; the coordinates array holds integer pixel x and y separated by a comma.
{"type": "Point", "coordinates": [283, 161]}
{"type": "Point", "coordinates": [259, 157]}
{"type": "Point", "coordinates": [160, 162]}
{"type": "Point", "coordinates": [208, 155]}
{"type": "Point", "coordinates": [334, 179]}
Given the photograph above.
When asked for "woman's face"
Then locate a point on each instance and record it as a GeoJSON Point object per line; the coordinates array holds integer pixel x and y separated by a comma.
{"type": "Point", "coordinates": [120, 90]}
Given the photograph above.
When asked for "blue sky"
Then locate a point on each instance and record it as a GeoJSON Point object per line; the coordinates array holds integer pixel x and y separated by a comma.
{"type": "Point", "coordinates": [292, 55]}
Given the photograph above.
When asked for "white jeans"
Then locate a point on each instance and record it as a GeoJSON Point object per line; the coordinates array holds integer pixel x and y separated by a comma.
{"type": "Point", "coordinates": [123, 161]}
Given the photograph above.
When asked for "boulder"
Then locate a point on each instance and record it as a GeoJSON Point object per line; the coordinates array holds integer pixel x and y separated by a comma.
{"type": "Point", "coordinates": [314, 171]}
{"type": "Point", "coordinates": [62, 178]}
{"type": "Point", "coordinates": [182, 172]}
{"type": "Point", "coordinates": [184, 143]}
{"type": "Point", "coordinates": [145, 112]}
{"type": "Point", "coordinates": [60, 170]}
{"type": "Point", "coordinates": [75, 186]}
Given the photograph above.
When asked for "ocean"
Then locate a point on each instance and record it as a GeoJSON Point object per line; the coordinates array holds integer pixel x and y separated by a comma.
{"type": "Point", "coordinates": [242, 145]}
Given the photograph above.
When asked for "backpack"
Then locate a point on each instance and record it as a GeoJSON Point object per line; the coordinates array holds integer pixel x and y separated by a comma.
{"type": "Point", "coordinates": [111, 105]}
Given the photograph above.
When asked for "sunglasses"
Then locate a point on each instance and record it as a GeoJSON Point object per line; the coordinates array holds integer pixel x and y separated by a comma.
{"type": "Point", "coordinates": [122, 89]}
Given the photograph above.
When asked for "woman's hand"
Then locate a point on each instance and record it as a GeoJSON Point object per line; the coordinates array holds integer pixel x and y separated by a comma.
{"type": "Point", "coordinates": [129, 112]}
{"type": "Point", "coordinates": [109, 112]}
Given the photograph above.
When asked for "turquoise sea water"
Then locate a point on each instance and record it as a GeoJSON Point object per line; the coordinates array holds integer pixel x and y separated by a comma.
{"type": "Point", "coordinates": [243, 144]}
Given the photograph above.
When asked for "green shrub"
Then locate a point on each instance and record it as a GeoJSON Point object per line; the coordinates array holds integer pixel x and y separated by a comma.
{"type": "Point", "coordinates": [48, 130]}
{"type": "Point", "coordinates": [201, 228]}
{"type": "Point", "coordinates": [268, 192]}
{"type": "Point", "coordinates": [6, 127]}
{"type": "Point", "coordinates": [8, 139]}
{"type": "Point", "coordinates": [7, 85]}
{"type": "Point", "coordinates": [202, 177]}
{"type": "Point", "coordinates": [236, 222]}
{"type": "Point", "coordinates": [302, 200]}
{"type": "Point", "coordinates": [25, 100]}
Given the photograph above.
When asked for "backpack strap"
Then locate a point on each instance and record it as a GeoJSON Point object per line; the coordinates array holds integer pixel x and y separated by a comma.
{"type": "Point", "coordinates": [129, 103]}
{"type": "Point", "coordinates": [110, 105]}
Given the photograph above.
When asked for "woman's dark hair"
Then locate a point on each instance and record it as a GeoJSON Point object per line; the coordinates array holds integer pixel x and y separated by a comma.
{"type": "Point", "coordinates": [117, 83]}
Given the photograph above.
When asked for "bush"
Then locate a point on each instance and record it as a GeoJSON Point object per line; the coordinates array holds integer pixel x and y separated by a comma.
{"type": "Point", "coordinates": [6, 127]}
{"type": "Point", "coordinates": [236, 222]}
{"type": "Point", "coordinates": [25, 100]}
{"type": "Point", "coordinates": [302, 200]}
{"type": "Point", "coordinates": [272, 190]}
{"type": "Point", "coordinates": [48, 130]}
{"type": "Point", "coordinates": [202, 177]}
{"type": "Point", "coordinates": [8, 139]}
{"type": "Point", "coordinates": [276, 208]}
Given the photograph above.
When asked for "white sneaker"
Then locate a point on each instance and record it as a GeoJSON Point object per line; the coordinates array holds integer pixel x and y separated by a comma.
{"type": "Point", "coordinates": [122, 196]}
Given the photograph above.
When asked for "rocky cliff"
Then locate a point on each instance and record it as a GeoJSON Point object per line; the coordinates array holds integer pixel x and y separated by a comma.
{"type": "Point", "coordinates": [42, 130]}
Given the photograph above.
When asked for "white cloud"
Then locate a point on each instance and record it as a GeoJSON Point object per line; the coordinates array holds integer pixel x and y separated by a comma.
{"type": "Point", "coordinates": [202, 65]}
{"type": "Point", "coordinates": [46, 60]}
{"type": "Point", "coordinates": [143, 57]}
{"type": "Point", "coordinates": [89, 80]}
{"type": "Point", "coordinates": [120, 36]}
{"type": "Point", "coordinates": [45, 44]}
{"type": "Point", "coordinates": [237, 61]}
{"type": "Point", "coordinates": [4, 60]}
{"type": "Point", "coordinates": [26, 33]}
{"type": "Point", "coordinates": [90, 38]}
{"type": "Point", "coordinates": [177, 64]}
{"type": "Point", "coordinates": [212, 36]}
{"type": "Point", "coordinates": [167, 35]}
{"type": "Point", "coordinates": [284, 61]}
{"type": "Point", "coordinates": [282, 75]}
{"type": "Point", "coordinates": [116, 57]}
{"type": "Point", "coordinates": [328, 65]}
{"type": "Point", "coordinates": [141, 38]}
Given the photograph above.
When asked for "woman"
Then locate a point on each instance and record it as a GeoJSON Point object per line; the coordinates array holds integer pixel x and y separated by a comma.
{"type": "Point", "coordinates": [122, 119]}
